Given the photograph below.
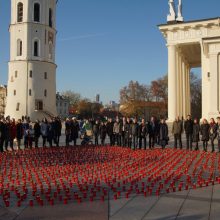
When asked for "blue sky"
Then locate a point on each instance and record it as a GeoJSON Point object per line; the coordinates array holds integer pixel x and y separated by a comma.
{"type": "Point", "coordinates": [103, 44]}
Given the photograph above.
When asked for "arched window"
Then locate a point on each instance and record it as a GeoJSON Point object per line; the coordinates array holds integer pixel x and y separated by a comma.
{"type": "Point", "coordinates": [50, 17]}
{"type": "Point", "coordinates": [36, 48]}
{"type": "Point", "coordinates": [20, 12]}
{"type": "Point", "coordinates": [37, 12]}
{"type": "Point", "coordinates": [19, 47]}
{"type": "Point", "coordinates": [45, 93]}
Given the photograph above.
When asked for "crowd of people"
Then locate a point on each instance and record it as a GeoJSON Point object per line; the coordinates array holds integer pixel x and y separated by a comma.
{"type": "Point", "coordinates": [195, 132]}
{"type": "Point", "coordinates": [125, 132]}
{"type": "Point", "coordinates": [13, 132]}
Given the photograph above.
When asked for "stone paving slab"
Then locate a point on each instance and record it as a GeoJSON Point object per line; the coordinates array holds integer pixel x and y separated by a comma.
{"type": "Point", "coordinates": [215, 206]}
{"type": "Point", "coordinates": [167, 207]}
{"type": "Point", "coordinates": [135, 209]}
{"type": "Point", "coordinates": [84, 211]}
{"type": "Point", "coordinates": [197, 204]}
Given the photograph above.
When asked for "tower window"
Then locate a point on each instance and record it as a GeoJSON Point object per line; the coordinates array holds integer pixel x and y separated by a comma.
{"type": "Point", "coordinates": [16, 74]}
{"type": "Point", "coordinates": [37, 12]}
{"type": "Point", "coordinates": [20, 12]}
{"type": "Point", "coordinates": [45, 93]}
{"type": "Point", "coordinates": [50, 17]}
{"type": "Point", "coordinates": [36, 48]}
{"type": "Point", "coordinates": [19, 47]}
{"type": "Point", "coordinates": [17, 106]}
{"type": "Point", "coordinates": [30, 74]}
{"type": "Point", "coordinates": [30, 92]}
{"type": "Point", "coordinates": [45, 75]}
{"type": "Point", "coordinates": [14, 92]}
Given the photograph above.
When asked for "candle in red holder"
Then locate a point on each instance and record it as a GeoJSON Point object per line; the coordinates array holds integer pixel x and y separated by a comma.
{"type": "Point", "coordinates": [31, 203]}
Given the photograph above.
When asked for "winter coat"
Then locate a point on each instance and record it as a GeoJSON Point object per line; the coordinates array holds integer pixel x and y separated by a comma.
{"type": "Point", "coordinates": [117, 128]}
{"type": "Point", "coordinates": [96, 129]}
{"type": "Point", "coordinates": [128, 130]}
{"type": "Point", "coordinates": [103, 131]}
{"type": "Point", "coordinates": [19, 131]}
{"type": "Point", "coordinates": [196, 132]}
{"type": "Point", "coordinates": [177, 127]}
{"type": "Point", "coordinates": [188, 126]}
{"type": "Point", "coordinates": [74, 130]}
{"type": "Point", "coordinates": [109, 127]}
{"type": "Point", "coordinates": [218, 132]}
{"type": "Point", "coordinates": [2, 130]}
{"type": "Point", "coordinates": [142, 131]}
{"type": "Point", "coordinates": [153, 128]}
{"type": "Point", "coordinates": [213, 132]}
{"type": "Point", "coordinates": [44, 129]}
{"type": "Point", "coordinates": [26, 127]}
{"type": "Point", "coordinates": [12, 131]}
{"type": "Point", "coordinates": [205, 132]}
{"type": "Point", "coordinates": [50, 131]}
{"type": "Point", "coordinates": [134, 129]}
{"type": "Point", "coordinates": [163, 134]}
{"type": "Point", "coordinates": [37, 130]}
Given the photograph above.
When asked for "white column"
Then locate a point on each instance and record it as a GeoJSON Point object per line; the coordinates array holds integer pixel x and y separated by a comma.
{"type": "Point", "coordinates": [180, 86]}
{"type": "Point", "coordinates": [188, 103]}
{"type": "Point", "coordinates": [184, 88]}
{"type": "Point", "coordinates": [178, 82]}
{"type": "Point", "coordinates": [172, 83]}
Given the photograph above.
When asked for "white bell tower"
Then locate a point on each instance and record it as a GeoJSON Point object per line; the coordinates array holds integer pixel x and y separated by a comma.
{"type": "Point", "coordinates": [32, 68]}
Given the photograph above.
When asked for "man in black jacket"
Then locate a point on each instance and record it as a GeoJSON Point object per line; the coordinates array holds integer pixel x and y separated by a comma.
{"type": "Point", "coordinates": [2, 134]}
{"type": "Point", "coordinates": [96, 132]}
{"type": "Point", "coordinates": [142, 134]}
{"type": "Point", "coordinates": [153, 129]}
{"type": "Point", "coordinates": [134, 132]}
{"type": "Point", "coordinates": [110, 133]}
{"type": "Point", "coordinates": [188, 127]}
{"type": "Point", "coordinates": [37, 133]}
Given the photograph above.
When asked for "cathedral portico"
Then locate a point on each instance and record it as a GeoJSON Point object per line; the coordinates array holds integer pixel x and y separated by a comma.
{"type": "Point", "coordinates": [190, 45]}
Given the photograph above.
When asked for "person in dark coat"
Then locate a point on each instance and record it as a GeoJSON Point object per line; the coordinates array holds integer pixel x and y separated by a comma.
{"type": "Point", "coordinates": [103, 132]}
{"type": "Point", "coordinates": [44, 131]}
{"type": "Point", "coordinates": [19, 133]}
{"type": "Point", "coordinates": [110, 133]}
{"type": "Point", "coordinates": [26, 126]}
{"type": "Point", "coordinates": [212, 133]}
{"type": "Point", "coordinates": [152, 131]}
{"type": "Point", "coordinates": [205, 133]}
{"type": "Point", "coordinates": [59, 130]}
{"type": "Point", "coordinates": [142, 134]}
{"type": "Point", "coordinates": [218, 133]}
{"type": "Point", "coordinates": [134, 133]}
{"type": "Point", "coordinates": [177, 131]}
{"type": "Point", "coordinates": [68, 131]}
{"type": "Point", "coordinates": [196, 133]}
{"type": "Point", "coordinates": [163, 133]}
{"type": "Point", "coordinates": [57, 133]}
{"type": "Point", "coordinates": [7, 133]}
{"type": "Point", "coordinates": [74, 131]}
{"type": "Point", "coordinates": [2, 134]}
{"type": "Point", "coordinates": [188, 127]}
{"type": "Point", "coordinates": [50, 135]}
{"type": "Point", "coordinates": [12, 133]}
{"type": "Point", "coordinates": [128, 133]}
{"type": "Point", "coordinates": [123, 132]}
{"type": "Point", "coordinates": [37, 133]}
{"type": "Point", "coordinates": [96, 132]}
